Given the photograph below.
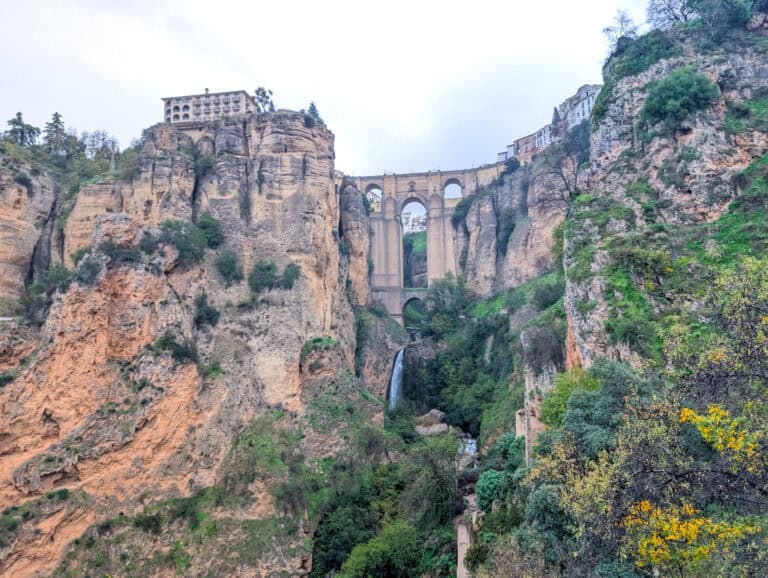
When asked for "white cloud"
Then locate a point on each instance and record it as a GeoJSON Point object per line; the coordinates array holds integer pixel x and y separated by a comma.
{"type": "Point", "coordinates": [403, 85]}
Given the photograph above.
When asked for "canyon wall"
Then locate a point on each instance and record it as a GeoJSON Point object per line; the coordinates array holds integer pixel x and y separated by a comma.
{"type": "Point", "coordinates": [124, 394]}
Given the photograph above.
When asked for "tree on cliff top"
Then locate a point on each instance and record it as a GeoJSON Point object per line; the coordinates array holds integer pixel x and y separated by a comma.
{"type": "Point", "coordinates": [55, 135]}
{"type": "Point", "coordinates": [622, 27]}
{"type": "Point", "coordinates": [264, 102]}
{"type": "Point", "coordinates": [21, 133]}
{"type": "Point", "coordinates": [665, 14]}
{"type": "Point", "coordinates": [567, 158]}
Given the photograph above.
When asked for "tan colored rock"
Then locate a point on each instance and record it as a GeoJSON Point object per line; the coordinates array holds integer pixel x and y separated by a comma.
{"type": "Point", "coordinates": [24, 220]}
{"type": "Point", "coordinates": [355, 236]}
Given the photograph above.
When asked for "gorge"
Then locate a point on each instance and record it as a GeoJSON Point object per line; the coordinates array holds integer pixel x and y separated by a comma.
{"type": "Point", "coordinates": [211, 365]}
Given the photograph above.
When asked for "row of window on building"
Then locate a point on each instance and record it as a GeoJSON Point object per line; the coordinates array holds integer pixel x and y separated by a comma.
{"type": "Point", "coordinates": [205, 107]}
{"type": "Point", "coordinates": [571, 112]}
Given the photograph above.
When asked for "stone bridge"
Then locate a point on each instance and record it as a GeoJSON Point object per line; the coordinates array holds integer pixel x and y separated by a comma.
{"type": "Point", "coordinates": [389, 194]}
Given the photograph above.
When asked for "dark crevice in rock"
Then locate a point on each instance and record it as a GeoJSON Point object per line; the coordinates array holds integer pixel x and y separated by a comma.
{"type": "Point", "coordinates": [245, 188]}
{"type": "Point", "coordinates": [41, 254]}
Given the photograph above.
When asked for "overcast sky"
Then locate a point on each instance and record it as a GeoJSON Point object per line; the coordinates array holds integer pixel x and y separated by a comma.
{"type": "Point", "coordinates": [404, 85]}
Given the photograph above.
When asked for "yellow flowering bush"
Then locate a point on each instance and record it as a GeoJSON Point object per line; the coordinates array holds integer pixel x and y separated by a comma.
{"type": "Point", "coordinates": [679, 537]}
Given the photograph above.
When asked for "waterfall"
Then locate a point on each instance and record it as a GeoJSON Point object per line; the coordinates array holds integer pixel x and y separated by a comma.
{"type": "Point", "coordinates": [396, 381]}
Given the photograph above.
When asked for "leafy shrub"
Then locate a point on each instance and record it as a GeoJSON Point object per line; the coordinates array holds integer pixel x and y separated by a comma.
{"type": "Point", "coordinates": [674, 98]}
{"type": "Point", "coordinates": [205, 314]}
{"type": "Point", "coordinates": [7, 377]}
{"type": "Point", "coordinates": [316, 344]}
{"type": "Point", "coordinates": [263, 276]}
{"type": "Point", "coordinates": [477, 554]}
{"type": "Point", "coordinates": [337, 534]}
{"type": "Point", "coordinates": [555, 402]}
{"type": "Point", "coordinates": [78, 255]}
{"type": "Point", "coordinates": [393, 553]}
{"type": "Point", "coordinates": [640, 54]}
{"type": "Point", "coordinates": [510, 166]}
{"type": "Point", "coordinates": [211, 229]}
{"type": "Point", "coordinates": [594, 417]}
{"type": "Point", "coordinates": [181, 351]}
{"type": "Point", "coordinates": [150, 523]}
{"type": "Point", "coordinates": [189, 240]}
{"type": "Point", "coordinates": [228, 265]}
{"type": "Point", "coordinates": [490, 486]}
{"type": "Point", "coordinates": [57, 277]}
{"type": "Point", "coordinates": [547, 294]}
{"type": "Point", "coordinates": [88, 270]}
{"type": "Point", "coordinates": [148, 243]}
{"type": "Point", "coordinates": [460, 211]}
{"type": "Point", "coordinates": [119, 255]}
{"type": "Point", "coordinates": [602, 102]}
{"type": "Point", "coordinates": [290, 274]}
{"type": "Point", "coordinates": [511, 449]}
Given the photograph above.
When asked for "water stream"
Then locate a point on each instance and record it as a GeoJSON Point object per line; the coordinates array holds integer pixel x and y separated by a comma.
{"type": "Point", "coordinates": [396, 381]}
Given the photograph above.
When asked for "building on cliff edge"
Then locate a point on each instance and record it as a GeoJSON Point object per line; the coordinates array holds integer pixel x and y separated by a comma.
{"type": "Point", "coordinates": [571, 112]}
{"type": "Point", "coordinates": [207, 106]}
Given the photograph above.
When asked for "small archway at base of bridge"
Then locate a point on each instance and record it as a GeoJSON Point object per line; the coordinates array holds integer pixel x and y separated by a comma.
{"type": "Point", "coordinates": [414, 313]}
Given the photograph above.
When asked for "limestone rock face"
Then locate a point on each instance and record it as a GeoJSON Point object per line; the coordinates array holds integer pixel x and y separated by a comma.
{"type": "Point", "coordinates": [355, 233]}
{"type": "Point", "coordinates": [100, 408]}
{"type": "Point", "coordinates": [521, 212]}
{"type": "Point", "coordinates": [481, 248]}
{"type": "Point", "coordinates": [25, 210]}
{"type": "Point", "coordinates": [691, 173]}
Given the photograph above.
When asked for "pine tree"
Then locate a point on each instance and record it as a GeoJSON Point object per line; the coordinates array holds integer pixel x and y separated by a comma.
{"type": "Point", "coordinates": [55, 135]}
{"type": "Point", "coordinates": [21, 133]}
{"type": "Point", "coordinates": [313, 112]}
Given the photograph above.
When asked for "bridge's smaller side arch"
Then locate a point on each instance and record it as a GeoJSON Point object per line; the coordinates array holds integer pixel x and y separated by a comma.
{"type": "Point", "coordinates": [453, 189]}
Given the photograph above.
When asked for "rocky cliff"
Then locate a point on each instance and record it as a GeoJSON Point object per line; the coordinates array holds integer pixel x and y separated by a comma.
{"type": "Point", "coordinates": [134, 390]}
{"type": "Point", "coordinates": [647, 186]}
{"type": "Point", "coordinates": [507, 235]}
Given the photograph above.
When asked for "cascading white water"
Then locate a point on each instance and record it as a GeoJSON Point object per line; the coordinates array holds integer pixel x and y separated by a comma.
{"type": "Point", "coordinates": [468, 446]}
{"type": "Point", "coordinates": [396, 381]}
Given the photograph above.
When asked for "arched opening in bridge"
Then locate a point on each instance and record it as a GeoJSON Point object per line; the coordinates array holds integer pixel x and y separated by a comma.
{"type": "Point", "coordinates": [374, 194]}
{"type": "Point", "coordinates": [414, 221]}
{"type": "Point", "coordinates": [452, 189]}
{"type": "Point", "coordinates": [413, 313]}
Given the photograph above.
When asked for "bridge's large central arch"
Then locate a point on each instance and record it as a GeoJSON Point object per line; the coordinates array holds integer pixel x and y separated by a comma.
{"type": "Point", "coordinates": [439, 193]}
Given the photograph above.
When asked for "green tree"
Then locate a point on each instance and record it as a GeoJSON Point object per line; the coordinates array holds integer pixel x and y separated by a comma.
{"type": "Point", "coordinates": [430, 481]}
{"type": "Point", "coordinates": [290, 274]}
{"type": "Point", "coordinates": [263, 276]}
{"type": "Point", "coordinates": [54, 135]}
{"type": "Point", "coordinates": [205, 314]}
{"type": "Point", "coordinates": [718, 17]}
{"type": "Point", "coordinates": [556, 401]}
{"type": "Point", "coordinates": [21, 133]}
{"type": "Point", "coordinates": [228, 265]}
{"type": "Point", "coordinates": [188, 239]}
{"type": "Point", "coordinates": [490, 486]}
{"type": "Point", "coordinates": [622, 27]}
{"type": "Point", "coordinates": [673, 99]}
{"type": "Point", "coordinates": [264, 102]}
{"type": "Point", "coordinates": [666, 14]}
{"type": "Point", "coordinates": [394, 553]}
{"type": "Point", "coordinates": [211, 229]}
